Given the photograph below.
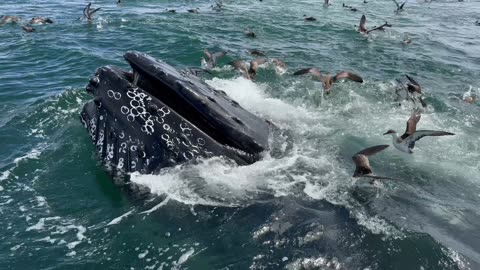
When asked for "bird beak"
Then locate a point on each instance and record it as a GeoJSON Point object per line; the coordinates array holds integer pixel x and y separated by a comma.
{"type": "Point", "coordinates": [386, 133]}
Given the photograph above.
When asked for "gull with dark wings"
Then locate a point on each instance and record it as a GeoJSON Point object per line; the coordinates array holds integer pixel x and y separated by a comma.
{"type": "Point", "coordinates": [406, 142]}
{"type": "Point", "coordinates": [248, 70]}
{"type": "Point", "coordinates": [362, 164]}
{"type": "Point", "coordinates": [362, 27]}
{"type": "Point", "coordinates": [211, 59]}
{"type": "Point", "coordinates": [88, 13]}
{"type": "Point", "coordinates": [399, 7]}
{"type": "Point", "coordinates": [328, 80]}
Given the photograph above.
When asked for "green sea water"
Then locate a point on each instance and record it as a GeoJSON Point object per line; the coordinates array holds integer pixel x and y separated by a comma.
{"type": "Point", "coordinates": [60, 209]}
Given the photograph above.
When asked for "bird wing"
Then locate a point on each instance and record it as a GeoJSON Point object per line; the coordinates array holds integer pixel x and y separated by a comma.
{"type": "Point", "coordinates": [215, 56]}
{"type": "Point", "coordinates": [412, 80]}
{"type": "Point", "coordinates": [278, 62]}
{"type": "Point", "coordinates": [396, 3]}
{"type": "Point", "coordinates": [85, 10]}
{"type": "Point", "coordinates": [239, 64]}
{"type": "Point", "coordinates": [422, 133]}
{"type": "Point", "coordinates": [260, 61]}
{"type": "Point", "coordinates": [93, 11]}
{"type": "Point", "coordinates": [207, 54]}
{"type": "Point", "coordinates": [372, 150]}
{"type": "Point", "coordinates": [401, 6]}
{"type": "Point", "coordinates": [411, 124]}
{"type": "Point", "coordinates": [347, 75]}
{"type": "Point", "coordinates": [315, 72]}
{"type": "Point", "coordinates": [363, 22]}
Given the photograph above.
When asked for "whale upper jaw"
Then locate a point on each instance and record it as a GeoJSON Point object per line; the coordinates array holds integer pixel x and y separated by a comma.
{"type": "Point", "coordinates": [156, 117]}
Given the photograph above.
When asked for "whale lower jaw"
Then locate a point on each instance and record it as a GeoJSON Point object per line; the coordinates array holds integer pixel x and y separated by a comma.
{"type": "Point", "coordinates": [156, 117]}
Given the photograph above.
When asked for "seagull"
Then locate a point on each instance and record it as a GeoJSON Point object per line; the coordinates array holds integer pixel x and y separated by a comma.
{"type": "Point", "coordinates": [249, 33]}
{"type": "Point", "coordinates": [87, 13]}
{"type": "Point", "coordinates": [212, 59]}
{"type": "Point", "coordinates": [328, 80]}
{"type": "Point", "coordinates": [362, 164]}
{"type": "Point", "coordinates": [362, 28]}
{"type": "Point", "coordinates": [399, 7]}
{"type": "Point", "coordinates": [411, 90]}
{"type": "Point", "coordinates": [406, 142]}
{"type": "Point", "coordinates": [256, 52]}
{"type": "Point", "coordinates": [8, 19]}
{"type": "Point", "coordinates": [248, 70]}
{"type": "Point", "coordinates": [28, 29]}
{"type": "Point", "coordinates": [40, 21]}
{"type": "Point", "coordinates": [280, 66]}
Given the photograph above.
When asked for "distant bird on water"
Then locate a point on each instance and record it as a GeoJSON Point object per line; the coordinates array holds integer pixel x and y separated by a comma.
{"type": "Point", "coordinates": [249, 33]}
{"type": "Point", "coordinates": [256, 52]}
{"type": "Point", "coordinates": [406, 142]}
{"type": "Point", "coordinates": [328, 80]}
{"type": "Point", "coordinates": [28, 29]}
{"type": "Point", "coordinates": [40, 20]}
{"type": "Point", "coordinates": [8, 19]}
{"type": "Point", "coordinates": [311, 19]}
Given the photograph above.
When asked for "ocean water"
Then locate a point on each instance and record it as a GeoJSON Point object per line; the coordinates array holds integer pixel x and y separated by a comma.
{"type": "Point", "coordinates": [300, 210]}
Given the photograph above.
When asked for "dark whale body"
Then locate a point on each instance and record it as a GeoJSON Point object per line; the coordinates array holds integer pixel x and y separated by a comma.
{"type": "Point", "coordinates": [156, 117]}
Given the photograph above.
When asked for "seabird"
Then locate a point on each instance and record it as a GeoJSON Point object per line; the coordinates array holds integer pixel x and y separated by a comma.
{"type": "Point", "coordinates": [87, 13]}
{"type": "Point", "coordinates": [407, 41]}
{"type": "Point", "coordinates": [248, 71]}
{"type": "Point", "coordinates": [211, 58]}
{"type": "Point", "coordinates": [171, 10]}
{"type": "Point", "coordinates": [411, 89]}
{"type": "Point", "coordinates": [327, 3]}
{"type": "Point", "coordinates": [470, 99]}
{"type": "Point", "coordinates": [362, 28]}
{"type": "Point", "coordinates": [311, 19]}
{"type": "Point", "coordinates": [195, 10]}
{"type": "Point", "coordinates": [249, 33]}
{"type": "Point", "coordinates": [399, 7]}
{"type": "Point", "coordinates": [8, 19]}
{"type": "Point", "coordinates": [406, 142]}
{"type": "Point", "coordinates": [241, 66]}
{"type": "Point", "coordinates": [362, 164]}
{"type": "Point", "coordinates": [256, 52]}
{"type": "Point", "coordinates": [218, 5]}
{"type": "Point", "coordinates": [280, 66]}
{"type": "Point", "coordinates": [328, 80]}
{"type": "Point", "coordinates": [40, 21]}
{"type": "Point", "coordinates": [28, 29]}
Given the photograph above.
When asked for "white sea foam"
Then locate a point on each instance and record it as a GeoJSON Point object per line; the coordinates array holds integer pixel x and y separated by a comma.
{"type": "Point", "coordinates": [119, 219]}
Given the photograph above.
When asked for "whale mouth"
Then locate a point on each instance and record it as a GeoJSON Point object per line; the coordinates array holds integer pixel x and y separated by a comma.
{"type": "Point", "coordinates": [211, 110]}
{"type": "Point", "coordinates": [156, 116]}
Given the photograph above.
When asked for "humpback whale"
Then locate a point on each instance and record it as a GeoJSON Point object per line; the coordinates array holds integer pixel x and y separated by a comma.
{"type": "Point", "coordinates": [156, 116]}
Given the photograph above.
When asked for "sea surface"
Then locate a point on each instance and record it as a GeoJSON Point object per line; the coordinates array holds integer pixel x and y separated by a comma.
{"type": "Point", "coordinates": [60, 209]}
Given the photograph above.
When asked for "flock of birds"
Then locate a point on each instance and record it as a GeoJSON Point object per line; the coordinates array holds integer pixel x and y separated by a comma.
{"type": "Point", "coordinates": [248, 69]}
